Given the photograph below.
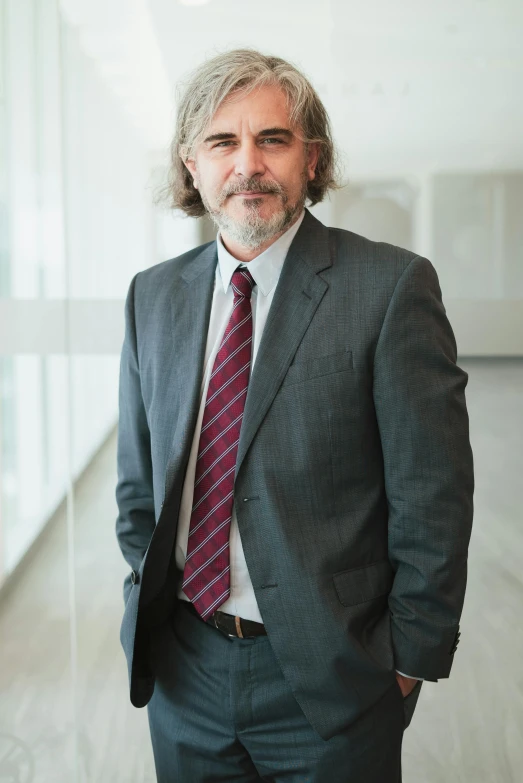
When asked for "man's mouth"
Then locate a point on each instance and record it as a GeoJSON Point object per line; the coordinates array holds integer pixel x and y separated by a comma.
{"type": "Point", "coordinates": [252, 193]}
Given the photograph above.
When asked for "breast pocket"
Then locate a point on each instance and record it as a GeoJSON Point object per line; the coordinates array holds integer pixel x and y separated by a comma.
{"type": "Point", "coordinates": [318, 366]}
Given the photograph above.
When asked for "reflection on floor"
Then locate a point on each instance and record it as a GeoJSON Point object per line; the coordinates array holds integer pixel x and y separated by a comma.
{"type": "Point", "coordinates": [466, 728]}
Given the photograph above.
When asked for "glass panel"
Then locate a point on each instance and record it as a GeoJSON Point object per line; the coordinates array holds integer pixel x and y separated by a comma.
{"type": "Point", "coordinates": [78, 225]}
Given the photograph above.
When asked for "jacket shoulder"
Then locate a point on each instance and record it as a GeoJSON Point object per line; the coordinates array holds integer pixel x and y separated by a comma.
{"type": "Point", "coordinates": [172, 267]}
{"type": "Point", "coordinates": [358, 248]}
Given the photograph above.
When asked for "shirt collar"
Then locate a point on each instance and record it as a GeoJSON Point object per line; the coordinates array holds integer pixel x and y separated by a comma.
{"type": "Point", "coordinates": [265, 268]}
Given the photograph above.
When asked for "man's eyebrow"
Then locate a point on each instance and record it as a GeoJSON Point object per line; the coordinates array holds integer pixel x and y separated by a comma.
{"type": "Point", "coordinates": [265, 132]}
{"type": "Point", "coordinates": [276, 132]}
{"type": "Point", "coordinates": [219, 137]}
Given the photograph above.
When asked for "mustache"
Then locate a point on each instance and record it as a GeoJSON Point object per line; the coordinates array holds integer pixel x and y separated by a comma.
{"type": "Point", "coordinates": [252, 186]}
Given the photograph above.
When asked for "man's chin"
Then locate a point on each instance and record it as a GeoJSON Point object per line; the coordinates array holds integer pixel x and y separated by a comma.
{"type": "Point", "coordinates": [252, 216]}
{"type": "Point", "coordinates": [263, 208]}
{"type": "Point", "coordinates": [249, 233]}
{"type": "Point", "coordinates": [253, 211]}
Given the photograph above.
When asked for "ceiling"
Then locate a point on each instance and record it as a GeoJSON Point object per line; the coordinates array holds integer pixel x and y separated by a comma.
{"type": "Point", "coordinates": [409, 85]}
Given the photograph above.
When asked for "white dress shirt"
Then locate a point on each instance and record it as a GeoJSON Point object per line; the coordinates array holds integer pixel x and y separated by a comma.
{"type": "Point", "coordinates": [265, 270]}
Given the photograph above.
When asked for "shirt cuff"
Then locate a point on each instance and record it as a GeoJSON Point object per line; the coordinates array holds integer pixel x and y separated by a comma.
{"type": "Point", "coordinates": [409, 676]}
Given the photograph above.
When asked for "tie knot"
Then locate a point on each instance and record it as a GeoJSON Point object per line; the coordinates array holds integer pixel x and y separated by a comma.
{"type": "Point", "coordinates": [242, 283]}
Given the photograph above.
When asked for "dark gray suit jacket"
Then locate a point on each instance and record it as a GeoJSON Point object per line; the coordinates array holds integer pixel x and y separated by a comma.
{"type": "Point", "coordinates": [354, 478]}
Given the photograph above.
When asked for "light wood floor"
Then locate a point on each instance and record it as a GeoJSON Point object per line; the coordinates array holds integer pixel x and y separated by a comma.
{"type": "Point", "coordinates": [466, 729]}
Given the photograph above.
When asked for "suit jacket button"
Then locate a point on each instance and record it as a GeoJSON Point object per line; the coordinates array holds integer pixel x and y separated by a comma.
{"type": "Point", "coordinates": [134, 577]}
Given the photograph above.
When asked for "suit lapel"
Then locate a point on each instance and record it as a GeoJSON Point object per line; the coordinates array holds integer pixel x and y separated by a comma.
{"type": "Point", "coordinates": [298, 294]}
{"type": "Point", "coordinates": [191, 305]}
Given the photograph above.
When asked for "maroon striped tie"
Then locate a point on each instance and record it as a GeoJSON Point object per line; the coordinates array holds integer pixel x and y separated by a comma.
{"type": "Point", "coordinates": [206, 576]}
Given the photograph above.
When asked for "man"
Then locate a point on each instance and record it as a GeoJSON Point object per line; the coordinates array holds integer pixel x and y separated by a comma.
{"type": "Point", "coordinates": [295, 478]}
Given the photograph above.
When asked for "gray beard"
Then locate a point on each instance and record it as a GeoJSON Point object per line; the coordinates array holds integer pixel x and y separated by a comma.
{"type": "Point", "coordinates": [254, 231]}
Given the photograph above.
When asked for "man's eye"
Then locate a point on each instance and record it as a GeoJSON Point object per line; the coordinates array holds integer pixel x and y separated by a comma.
{"type": "Point", "coordinates": [269, 138]}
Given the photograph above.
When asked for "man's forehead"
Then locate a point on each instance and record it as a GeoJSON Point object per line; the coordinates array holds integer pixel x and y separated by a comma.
{"type": "Point", "coordinates": [263, 107]}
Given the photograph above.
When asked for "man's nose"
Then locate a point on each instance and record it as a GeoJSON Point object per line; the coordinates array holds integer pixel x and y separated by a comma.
{"type": "Point", "coordinates": [249, 160]}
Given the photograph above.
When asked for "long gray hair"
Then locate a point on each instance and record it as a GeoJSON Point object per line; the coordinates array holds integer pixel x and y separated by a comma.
{"type": "Point", "coordinates": [244, 70]}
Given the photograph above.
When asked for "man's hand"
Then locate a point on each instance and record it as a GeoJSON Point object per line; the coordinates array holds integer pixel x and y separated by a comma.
{"type": "Point", "coordinates": [406, 684]}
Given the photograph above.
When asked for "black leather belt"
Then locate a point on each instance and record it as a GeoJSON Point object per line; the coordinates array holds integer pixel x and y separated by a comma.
{"type": "Point", "coordinates": [230, 624]}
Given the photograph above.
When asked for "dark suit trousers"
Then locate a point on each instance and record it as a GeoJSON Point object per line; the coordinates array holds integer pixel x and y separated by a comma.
{"type": "Point", "coordinates": [222, 712]}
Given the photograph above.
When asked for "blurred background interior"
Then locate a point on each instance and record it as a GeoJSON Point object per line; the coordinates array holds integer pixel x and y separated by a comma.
{"type": "Point", "coordinates": [426, 105]}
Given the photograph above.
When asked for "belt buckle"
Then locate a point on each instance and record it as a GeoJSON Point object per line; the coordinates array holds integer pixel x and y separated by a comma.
{"type": "Point", "coordinates": [215, 623]}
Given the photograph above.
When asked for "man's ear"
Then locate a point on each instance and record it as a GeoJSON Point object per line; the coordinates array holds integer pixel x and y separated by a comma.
{"type": "Point", "coordinates": [313, 154]}
{"type": "Point", "coordinates": [190, 164]}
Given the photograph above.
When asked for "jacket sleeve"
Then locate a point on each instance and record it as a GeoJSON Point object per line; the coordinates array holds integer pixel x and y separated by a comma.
{"type": "Point", "coordinates": [135, 522]}
{"type": "Point", "coordinates": [419, 397]}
